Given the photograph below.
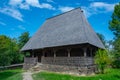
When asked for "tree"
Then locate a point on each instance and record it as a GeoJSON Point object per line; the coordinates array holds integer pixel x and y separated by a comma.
{"type": "Point", "coordinates": [5, 50]}
{"type": "Point", "coordinates": [114, 26]}
{"type": "Point", "coordinates": [15, 54]}
{"type": "Point", "coordinates": [102, 60]}
{"type": "Point", "coordinates": [102, 38]}
{"type": "Point", "coordinates": [9, 51]}
{"type": "Point", "coordinates": [23, 39]}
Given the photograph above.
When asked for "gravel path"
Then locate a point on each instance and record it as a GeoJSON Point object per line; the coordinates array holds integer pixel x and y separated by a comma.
{"type": "Point", "coordinates": [27, 76]}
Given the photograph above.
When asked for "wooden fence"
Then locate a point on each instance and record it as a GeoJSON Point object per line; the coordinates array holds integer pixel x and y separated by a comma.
{"type": "Point", "coordinates": [12, 66]}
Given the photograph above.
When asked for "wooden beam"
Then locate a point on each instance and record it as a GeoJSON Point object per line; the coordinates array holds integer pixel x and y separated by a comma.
{"type": "Point", "coordinates": [91, 54]}
{"type": "Point", "coordinates": [68, 50]}
{"type": "Point", "coordinates": [32, 53]}
{"type": "Point", "coordinates": [54, 50]}
{"type": "Point", "coordinates": [85, 51]}
{"type": "Point", "coordinates": [43, 53]}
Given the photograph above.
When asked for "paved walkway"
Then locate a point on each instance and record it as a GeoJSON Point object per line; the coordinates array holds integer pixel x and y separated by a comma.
{"type": "Point", "coordinates": [27, 76]}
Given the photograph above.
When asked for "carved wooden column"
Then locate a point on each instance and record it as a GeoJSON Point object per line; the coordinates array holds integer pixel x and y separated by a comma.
{"type": "Point", "coordinates": [32, 53]}
{"type": "Point", "coordinates": [85, 55]}
{"type": "Point", "coordinates": [91, 52]}
{"type": "Point", "coordinates": [85, 52]}
{"type": "Point", "coordinates": [68, 50]}
{"type": "Point", "coordinates": [43, 53]}
{"type": "Point", "coordinates": [54, 52]}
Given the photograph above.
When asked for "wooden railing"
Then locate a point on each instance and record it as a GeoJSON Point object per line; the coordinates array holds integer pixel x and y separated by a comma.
{"type": "Point", "coordinates": [69, 61]}
{"type": "Point", "coordinates": [13, 66]}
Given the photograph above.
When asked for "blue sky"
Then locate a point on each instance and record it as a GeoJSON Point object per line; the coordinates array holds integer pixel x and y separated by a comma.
{"type": "Point", "coordinates": [17, 16]}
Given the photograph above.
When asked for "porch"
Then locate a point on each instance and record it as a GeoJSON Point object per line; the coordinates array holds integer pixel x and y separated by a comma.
{"type": "Point", "coordinates": [69, 57]}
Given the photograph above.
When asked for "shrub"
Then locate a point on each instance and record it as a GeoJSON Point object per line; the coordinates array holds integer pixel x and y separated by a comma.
{"type": "Point", "coordinates": [102, 60]}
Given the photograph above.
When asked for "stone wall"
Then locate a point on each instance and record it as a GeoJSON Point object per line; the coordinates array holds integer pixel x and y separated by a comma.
{"type": "Point", "coordinates": [70, 69]}
{"type": "Point", "coordinates": [75, 65]}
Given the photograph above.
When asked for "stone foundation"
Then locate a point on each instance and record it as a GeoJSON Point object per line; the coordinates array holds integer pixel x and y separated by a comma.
{"type": "Point", "coordinates": [69, 69]}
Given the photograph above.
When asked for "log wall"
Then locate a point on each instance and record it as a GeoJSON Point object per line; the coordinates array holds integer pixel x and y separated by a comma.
{"type": "Point", "coordinates": [69, 61]}
{"type": "Point", "coordinates": [29, 62]}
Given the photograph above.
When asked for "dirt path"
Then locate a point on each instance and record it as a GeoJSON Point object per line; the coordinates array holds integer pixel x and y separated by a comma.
{"type": "Point", "coordinates": [27, 76]}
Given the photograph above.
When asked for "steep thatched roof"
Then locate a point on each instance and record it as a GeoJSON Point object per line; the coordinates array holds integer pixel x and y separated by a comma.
{"type": "Point", "coordinates": [69, 28]}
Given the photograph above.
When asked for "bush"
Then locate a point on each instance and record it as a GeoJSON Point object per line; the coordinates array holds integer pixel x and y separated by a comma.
{"type": "Point", "coordinates": [102, 60]}
{"type": "Point", "coordinates": [116, 62]}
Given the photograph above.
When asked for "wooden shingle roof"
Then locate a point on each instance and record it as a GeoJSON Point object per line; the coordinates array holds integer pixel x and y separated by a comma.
{"type": "Point", "coordinates": [69, 28]}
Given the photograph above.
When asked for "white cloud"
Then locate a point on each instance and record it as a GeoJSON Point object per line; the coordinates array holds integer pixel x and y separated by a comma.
{"type": "Point", "coordinates": [35, 3]}
{"type": "Point", "coordinates": [25, 4]}
{"type": "Point", "coordinates": [14, 5]}
{"type": "Point", "coordinates": [106, 6]}
{"type": "Point", "coordinates": [65, 9]}
{"type": "Point", "coordinates": [48, 6]}
{"type": "Point", "coordinates": [15, 2]}
{"type": "Point", "coordinates": [97, 7]}
{"type": "Point", "coordinates": [19, 4]}
{"type": "Point", "coordinates": [2, 23]}
{"type": "Point", "coordinates": [12, 12]}
{"type": "Point", "coordinates": [21, 27]}
{"type": "Point", "coordinates": [50, 1]}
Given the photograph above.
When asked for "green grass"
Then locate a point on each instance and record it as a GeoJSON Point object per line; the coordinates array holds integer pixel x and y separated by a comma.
{"type": "Point", "coordinates": [111, 74]}
{"type": "Point", "coordinates": [11, 74]}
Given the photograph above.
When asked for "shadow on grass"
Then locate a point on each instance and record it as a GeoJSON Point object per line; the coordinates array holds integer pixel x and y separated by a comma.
{"type": "Point", "coordinates": [4, 75]}
{"type": "Point", "coordinates": [117, 76]}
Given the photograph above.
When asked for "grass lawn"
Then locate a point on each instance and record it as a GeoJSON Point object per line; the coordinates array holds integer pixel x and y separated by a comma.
{"type": "Point", "coordinates": [111, 74]}
{"type": "Point", "coordinates": [11, 74]}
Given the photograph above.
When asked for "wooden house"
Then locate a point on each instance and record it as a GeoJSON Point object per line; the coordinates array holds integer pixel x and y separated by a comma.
{"type": "Point", "coordinates": [63, 42]}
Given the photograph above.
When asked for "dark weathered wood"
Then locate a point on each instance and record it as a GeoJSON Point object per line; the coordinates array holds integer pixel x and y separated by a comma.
{"type": "Point", "coordinates": [69, 61]}
{"type": "Point", "coordinates": [29, 62]}
{"type": "Point", "coordinates": [13, 66]}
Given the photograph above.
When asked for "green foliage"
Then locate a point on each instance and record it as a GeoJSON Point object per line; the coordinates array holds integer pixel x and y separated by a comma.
{"type": "Point", "coordinates": [114, 26]}
{"type": "Point", "coordinates": [111, 74]}
{"type": "Point", "coordinates": [23, 39]}
{"type": "Point", "coordinates": [115, 22]}
{"type": "Point", "coordinates": [117, 45]}
{"type": "Point", "coordinates": [102, 38]}
{"type": "Point", "coordinates": [10, 49]}
{"type": "Point", "coordinates": [116, 59]}
{"type": "Point", "coordinates": [11, 75]}
{"type": "Point", "coordinates": [102, 59]}
{"type": "Point", "coordinates": [5, 50]}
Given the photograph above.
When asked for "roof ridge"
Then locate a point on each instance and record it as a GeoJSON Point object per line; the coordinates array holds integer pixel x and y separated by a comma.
{"type": "Point", "coordinates": [65, 12]}
{"type": "Point", "coordinates": [82, 16]}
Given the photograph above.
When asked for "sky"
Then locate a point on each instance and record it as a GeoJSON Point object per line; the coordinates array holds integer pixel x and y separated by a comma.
{"type": "Point", "coordinates": [18, 16]}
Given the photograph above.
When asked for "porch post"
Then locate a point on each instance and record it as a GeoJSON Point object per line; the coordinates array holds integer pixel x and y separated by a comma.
{"type": "Point", "coordinates": [68, 52]}
{"type": "Point", "coordinates": [91, 52]}
{"type": "Point", "coordinates": [85, 52]}
{"type": "Point", "coordinates": [32, 53]}
{"type": "Point", "coordinates": [54, 53]}
{"type": "Point", "coordinates": [43, 53]}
